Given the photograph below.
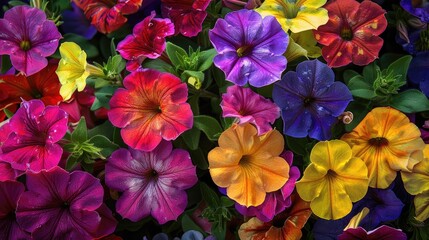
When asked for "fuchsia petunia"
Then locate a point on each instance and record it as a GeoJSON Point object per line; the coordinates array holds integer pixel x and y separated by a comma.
{"type": "Point", "coordinates": [35, 131]}
{"type": "Point", "coordinates": [147, 40]}
{"type": "Point", "coordinates": [28, 37]}
{"type": "Point", "coordinates": [351, 34]}
{"type": "Point", "coordinates": [249, 106]}
{"type": "Point", "coordinates": [151, 107]}
{"type": "Point", "coordinates": [153, 183]}
{"type": "Point", "coordinates": [187, 15]}
{"type": "Point", "coordinates": [62, 205]}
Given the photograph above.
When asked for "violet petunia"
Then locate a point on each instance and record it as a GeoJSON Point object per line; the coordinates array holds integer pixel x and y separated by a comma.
{"type": "Point", "coordinates": [250, 48]}
{"type": "Point", "coordinates": [76, 22]}
{"type": "Point", "coordinates": [35, 131]}
{"type": "Point", "coordinates": [28, 37]}
{"type": "Point", "coordinates": [383, 232]}
{"type": "Point", "coordinates": [10, 191]}
{"type": "Point", "coordinates": [419, 9]}
{"type": "Point", "coordinates": [153, 183]}
{"type": "Point", "coordinates": [249, 106]}
{"type": "Point", "coordinates": [310, 100]}
{"type": "Point", "coordinates": [62, 205]}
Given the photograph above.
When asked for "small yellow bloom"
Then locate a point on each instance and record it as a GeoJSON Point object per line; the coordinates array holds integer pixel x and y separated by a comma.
{"type": "Point", "coordinates": [302, 44]}
{"type": "Point", "coordinates": [333, 180]}
{"type": "Point", "coordinates": [248, 165]}
{"type": "Point", "coordinates": [296, 15]}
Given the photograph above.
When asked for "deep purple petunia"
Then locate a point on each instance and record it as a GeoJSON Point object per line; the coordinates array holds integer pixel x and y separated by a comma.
{"type": "Point", "coordinates": [249, 106]}
{"type": "Point", "coordinates": [383, 232]}
{"type": "Point", "coordinates": [419, 9]}
{"type": "Point", "coordinates": [250, 49]}
{"type": "Point", "coordinates": [10, 191]}
{"type": "Point", "coordinates": [310, 100]}
{"type": "Point", "coordinates": [28, 37]}
{"type": "Point", "coordinates": [418, 71]}
{"type": "Point", "coordinates": [76, 22]}
{"type": "Point", "coordinates": [35, 131]}
{"type": "Point", "coordinates": [62, 205]}
{"type": "Point", "coordinates": [153, 183]}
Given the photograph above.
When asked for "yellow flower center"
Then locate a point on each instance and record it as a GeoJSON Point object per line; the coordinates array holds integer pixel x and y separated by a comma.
{"type": "Point", "coordinates": [291, 10]}
{"type": "Point", "coordinates": [245, 161]}
{"type": "Point", "coordinates": [244, 51]}
{"type": "Point", "coordinates": [346, 33]}
{"type": "Point", "coordinates": [25, 45]}
{"type": "Point", "coordinates": [378, 141]}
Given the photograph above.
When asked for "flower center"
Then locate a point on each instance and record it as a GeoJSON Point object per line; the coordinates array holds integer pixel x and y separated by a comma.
{"type": "Point", "coordinates": [422, 44]}
{"type": "Point", "coordinates": [244, 51]}
{"type": "Point", "coordinates": [378, 141]}
{"type": "Point", "coordinates": [25, 45]}
{"type": "Point", "coordinates": [245, 160]}
{"type": "Point", "coordinates": [291, 10]}
{"type": "Point", "coordinates": [331, 174]}
{"type": "Point", "coordinates": [65, 205]}
{"type": "Point", "coordinates": [418, 3]}
{"type": "Point", "coordinates": [346, 33]}
{"type": "Point", "coordinates": [308, 101]}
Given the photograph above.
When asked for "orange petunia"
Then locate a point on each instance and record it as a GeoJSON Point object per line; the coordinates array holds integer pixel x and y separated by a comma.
{"type": "Point", "coordinates": [388, 142]}
{"type": "Point", "coordinates": [248, 165]}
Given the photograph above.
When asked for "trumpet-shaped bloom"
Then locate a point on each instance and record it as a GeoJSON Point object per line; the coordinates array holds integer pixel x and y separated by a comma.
{"type": "Point", "coordinates": [73, 69]}
{"type": "Point", "coordinates": [310, 100]}
{"type": "Point", "coordinates": [151, 107]}
{"type": "Point", "coordinates": [249, 106]}
{"type": "Point", "coordinates": [382, 232]}
{"type": "Point", "coordinates": [62, 205]}
{"type": "Point", "coordinates": [248, 165]}
{"type": "Point", "coordinates": [147, 40]}
{"type": "Point", "coordinates": [153, 183]}
{"type": "Point", "coordinates": [333, 180]}
{"type": "Point", "coordinates": [417, 183]}
{"type": "Point", "coordinates": [250, 49]}
{"type": "Point", "coordinates": [388, 142]}
{"type": "Point", "coordinates": [296, 16]}
{"type": "Point", "coordinates": [35, 131]}
{"type": "Point", "coordinates": [419, 9]}
{"type": "Point", "coordinates": [351, 34]}
{"type": "Point", "coordinates": [28, 37]}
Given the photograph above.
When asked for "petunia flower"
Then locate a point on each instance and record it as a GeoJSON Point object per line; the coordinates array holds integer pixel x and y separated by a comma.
{"type": "Point", "coordinates": [333, 180]}
{"type": "Point", "coordinates": [310, 100]}
{"type": "Point", "coordinates": [388, 142]}
{"type": "Point", "coordinates": [147, 40]}
{"type": "Point", "coordinates": [419, 9]}
{"type": "Point", "coordinates": [285, 226]}
{"type": "Point", "coordinates": [383, 232]}
{"type": "Point", "coordinates": [108, 16]}
{"type": "Point", "coordinates": [43, 85]}
{"type": "Point", "coordinates": [73, 70]}
{"type": "Point", "coordinates": [296, 16]}
{"type": "Point", "coordinates": [35, 131]}
{"type": "Point", "coordinates": [62, 205]}
{"type": "Point", "coordinates": [250, 49]}
{"type": "Point", "coordinates": [151, 107]}
{"type": "Point", "coordinates": [153, 183]}
{"type": "Point", "coordinates": [28, 37]}
{"type": "Point", "coordinates": [249, 106]}
{"type": "Point", "coordinates": [187, 15]}
{"type": "Point", "coordinates": [248, 165]}
{"type": "Point", "coordinates": [417, 183]}
{"type": "Point", "coordinates": [351, 34]}
{"type": "Point", "coordinates": [302, 44]}
{"type": "Point", "coordinates": [76, 22]}
{"type": "Point", "coordinates": [10, 193]}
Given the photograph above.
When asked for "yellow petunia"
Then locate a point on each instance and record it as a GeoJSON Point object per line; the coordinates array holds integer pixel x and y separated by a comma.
{"type": "Point", "coordinates": [296, 15]}
{"type": "Point", "coordinates": [333, 180]}
{"type": "Point", "coordinates": [73, 70]}
{"type": "Point", "coordinates": [417, 183]}
{"type": "Point", "coordinates": [302, 44]}
{"type": "Point", "coordinates": [248, 165]}
{"type": "Point", "coordinates": [388, 142]}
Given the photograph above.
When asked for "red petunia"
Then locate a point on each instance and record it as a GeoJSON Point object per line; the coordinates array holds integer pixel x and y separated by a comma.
{"type": "Point", "coordinates": [351, 34]}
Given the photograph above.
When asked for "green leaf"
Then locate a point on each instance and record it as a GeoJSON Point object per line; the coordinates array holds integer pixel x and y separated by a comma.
{"type": "Point", "coordinates": [349, 74]}
{"type": "Point", "coordinates": [400, 68]}
{"type": "Point", "coordinates": [176, 54]}
{"type": "Point", "coordinates": [106, 129]}
{"type": "Point", "coordinates": [72, 161]}
{"type": "Point", "coordinates": [191, 138]}
{"type": "Point", "coordinates": [5, 64]}
{"type": "Point", "coordinates": [219, 229]}
{"type": "Point", "coordinates": [189, 224]}
{"type": "Point", "coordinates": [297, 145]}
{"type": "Point", "coordinates": [80, 135]}
{"type": "Point", "coordinates": [106, 146]}
{"type": "Point", "coordinates": [359, 111]}
{"type": "Point", "coordinates": [370, 73]}
{"type": "Point", "coordinates": [199, 159]}
{"type": "Point", "coordinates": [205, 59]}
{"type": "Point", "coordinates": [159, 65]}
{"type": "Point", "coordinates": [359, 87]}
{"type": "Point", "coordinates": [410, 101]}
{"type": "Point", "coordinates": [209, 126]}
{"type": "Point", "coordinates": [102, 97]}
{"type": "Point", "coordinates": [226, 202]}
{"type": "Point", "coordinates": [8, 113]}
{"type": "Point", "coordinates": [209, 196]}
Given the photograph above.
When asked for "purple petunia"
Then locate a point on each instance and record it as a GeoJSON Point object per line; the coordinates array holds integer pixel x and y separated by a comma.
{"type": "Point", "coordinates": [249, 106]}
{"type": "Point", "coordinates": [62, 205]}
{"type": "Point", "coordinates": [28, 37]}
{"type": "Point", "coordinates": [310, 100]}
{"type": "Point", "coordinates": [250, 49]}
{"type": "Point", "coordinates": [153, 183]}
{"type": "Point", "coordinates": [420, 10]}
{"type": "Point", "coordinates": [383, 232]}
{"type": "Point", "coordinates": [76, 22]}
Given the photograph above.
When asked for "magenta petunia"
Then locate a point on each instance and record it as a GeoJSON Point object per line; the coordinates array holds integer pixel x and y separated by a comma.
{"type": "Point", "coordinates": [28, 37]}
{"type": "Point", "coordinates": [35, 131]}
{"type": "Point", "coordinates": [249, 106]}
{"type": "Point", "coordinates": [153, 183]}
{"type": "Point", "coordinates": [147, 41]}
{"type": "Point", "coordinates": [382, 232]}
{"type": "Point", "coordinates": [10, 191]}
{"type": "Point", "coordinates": [62, 205]}
{"type": "Point", "coordinates": [151, 107]}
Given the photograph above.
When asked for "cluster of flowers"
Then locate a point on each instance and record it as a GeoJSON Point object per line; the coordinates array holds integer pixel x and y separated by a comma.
{"type": "Point", "coordinates": [280, 119]}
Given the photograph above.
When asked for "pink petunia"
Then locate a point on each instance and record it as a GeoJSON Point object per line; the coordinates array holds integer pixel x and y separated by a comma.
{"type": "Point", "coordinates": [34, 133]}
{"type": "Point", "coordinates": [28, 37]}
{"type": "Point", "coordinates": [153, 183]}
{"type": "Point", "coordinates": [147, 40]}
{"type": "Point", "coordinates": [249, 106]}
{"type": "Point", "coordinates": [62, 205]}
{"type": "Point", "coordinates": [151, 107]}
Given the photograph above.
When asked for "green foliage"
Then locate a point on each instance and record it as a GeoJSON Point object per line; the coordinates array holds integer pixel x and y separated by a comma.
{"type": "Point", "coordinates": [209, 125]}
